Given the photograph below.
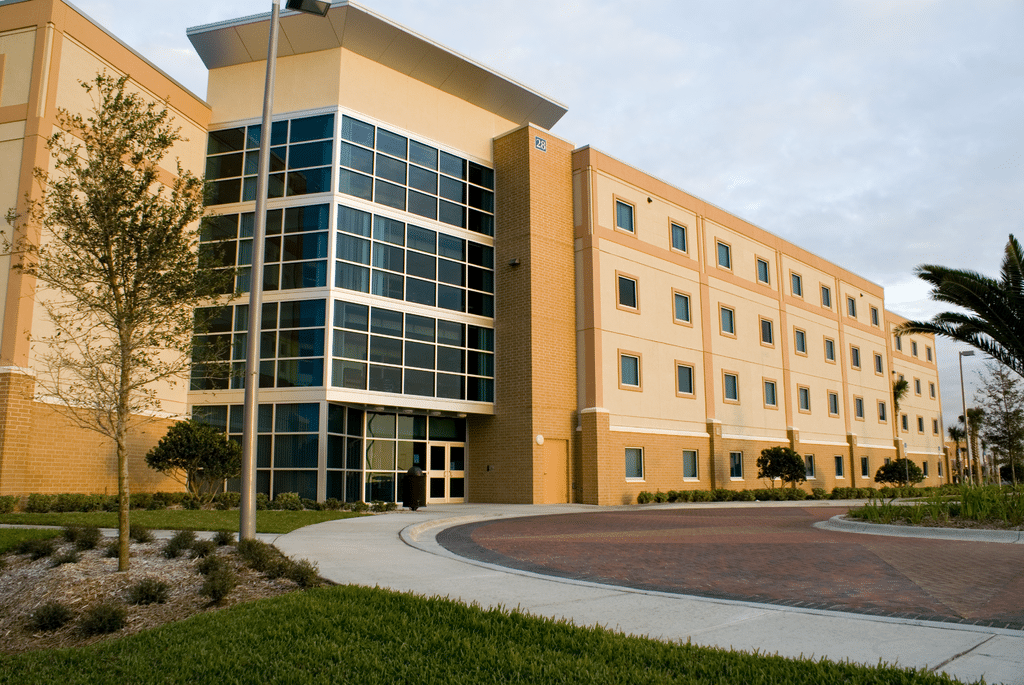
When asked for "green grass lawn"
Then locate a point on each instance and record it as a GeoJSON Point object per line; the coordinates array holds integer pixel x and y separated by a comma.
{"type": "Point", "coordinates": [11, 537]}
{"type": "Point", "coordinates": [361, 635]}
{"type": "Point", "coordinates": [276, 521]}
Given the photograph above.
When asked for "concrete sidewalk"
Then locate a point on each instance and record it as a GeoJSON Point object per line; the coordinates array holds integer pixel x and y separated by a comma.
{"type": "Point", "coordinates": [398, 551]}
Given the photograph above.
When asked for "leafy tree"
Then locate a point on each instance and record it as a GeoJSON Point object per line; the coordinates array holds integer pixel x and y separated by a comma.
{"type": "Point", "coordinates": [110, 245]}
{"type": "Point", "coordinates": [899, 472]}
{"type": "Point", "coordinates": [975, 419]}
{"type": "Point", "coordinates": [993, 316]}
{"type": "Point", "coordinates": [1001, 397]}
{"type": "Point", "coordinates": [198, 456]}
{"type": "Point", "coordinates": [956, 434]}
{"type": "Point", "coordinates": [782, 463]}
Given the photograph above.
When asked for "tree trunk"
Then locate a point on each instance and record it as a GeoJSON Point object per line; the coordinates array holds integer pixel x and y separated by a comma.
{"type": "Point", "coordinates": [121, 437]}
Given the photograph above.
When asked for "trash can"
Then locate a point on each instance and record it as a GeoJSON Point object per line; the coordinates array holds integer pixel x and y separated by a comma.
{"type": "Point", "coordinates": [414, 489]}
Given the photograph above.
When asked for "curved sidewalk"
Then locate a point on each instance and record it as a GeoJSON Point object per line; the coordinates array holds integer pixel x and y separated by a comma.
{"type": "Point", "coordinates": [399, 551]}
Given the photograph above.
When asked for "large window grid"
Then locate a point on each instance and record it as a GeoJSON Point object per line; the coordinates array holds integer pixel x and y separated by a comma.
{"type": "Point", "coordinates": [300, 159]}
{"type": "Point", "coordinates": [389, 169]}
{"type": "Point", "coordinates": [383, 350]}
{"type": "Point", "coordinates": [386, 257]}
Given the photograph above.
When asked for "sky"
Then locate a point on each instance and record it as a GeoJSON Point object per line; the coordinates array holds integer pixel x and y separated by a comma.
{"type": "Point", "coordinates": [878, 134]}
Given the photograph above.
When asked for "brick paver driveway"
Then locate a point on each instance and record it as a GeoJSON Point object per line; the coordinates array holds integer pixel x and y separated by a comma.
{"type": "Point", "coordinates": [768, 555]}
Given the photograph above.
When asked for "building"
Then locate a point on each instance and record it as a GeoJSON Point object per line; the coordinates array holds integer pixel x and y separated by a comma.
{"type": "Point", "coordinates": [449, 284]}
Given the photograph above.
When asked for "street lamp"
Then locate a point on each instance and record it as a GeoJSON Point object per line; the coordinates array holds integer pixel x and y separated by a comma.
{"type": "Point", "coordinates": [963, 400]}
{"type": "Point", "coordinates": [247, 505]}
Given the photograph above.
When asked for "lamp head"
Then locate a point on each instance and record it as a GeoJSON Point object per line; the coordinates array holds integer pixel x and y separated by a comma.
{"type": "Point", "coordinates": [317, 7]}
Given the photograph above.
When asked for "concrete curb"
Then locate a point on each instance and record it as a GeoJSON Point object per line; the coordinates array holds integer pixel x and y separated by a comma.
{"type": "Point", "coordinates": [840, 524]}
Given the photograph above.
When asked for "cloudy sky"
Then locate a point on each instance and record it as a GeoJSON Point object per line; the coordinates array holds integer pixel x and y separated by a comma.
{"type": "Point", "coordinates": [879, 134]}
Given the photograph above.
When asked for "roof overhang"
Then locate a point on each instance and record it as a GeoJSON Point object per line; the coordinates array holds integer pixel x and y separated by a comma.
{"type": "Point", "coordinates": [374, 37]}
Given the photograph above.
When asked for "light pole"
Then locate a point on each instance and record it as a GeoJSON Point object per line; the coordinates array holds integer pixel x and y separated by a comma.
{"type": "Point", "coordinates": [247, 505]}
{"type": "Point", "coordinates": [963, 400]}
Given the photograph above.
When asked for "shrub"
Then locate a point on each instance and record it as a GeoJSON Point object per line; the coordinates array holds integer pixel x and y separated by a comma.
{"type": "Point", "coordinates": [219, 584]}
{"type": "Point", "coordinates": [227, 500]}
{"type": "Point", "coordinates": [278, 567]}
{"type": "Point", "coordinates": [262, 502]}
{"type": "Point", "coordinates": [289, 501]}
{"type": "Point", "coordinates": [84, 537]}
{"type": "Point", "coordinates": [762, 494]}
{"type": "Point", "coordinates": [36, 549]}
{"type": "Point", "coordinates": [701, 496]}
{"type": "Point", "coordinates": [209, 564]}
{"type": "Point", "coordinates": [112, 551]}
{"type": "Point", "coordinates": [818, 493]}
{"type": "Point", "coordinates": [379, 506]}
{"type": "Point", "coordinates": [103, 619]}
{"type": "Point", "coordinates": [721, 495]}
{"type": "Point", "coordinates": [256, 554]}
{"type": "Point", "coordinates": [140, 500]}
{"type": "Point", "coordinates": [148, 591]}
{"type": "Point", "coordinates": [179, 544]}
{"type": "Point", "coordinates": [782, 463]}
{"type": "Point", "coordinates": [660, 497]}
{"type": "Point", "coordinates": [40, 504]}
{"type": "Point", "coordinates": [190, 502]}
{"type": "Point", "coordinates": [7, 503]}
{"type": "Point", "coordinates": [311, 504]}
{"type": "Point", "coordinates": [332, 504]}
{"type": "Point", "coordinates": [795, 493]}
{"type": "Point", "coordinates": [50, 616]}
{"type": "Point", "coordinates": [69, 557]}
{"type": "Point", "coordinates": [198, 456]}
{"type": "Point", "coordinates": [744, 496]}
{"type": "Point", "coordinates": [203, 548]}
{"type": "Point", "coordinates": [865, 493]}
{"type": "Point", "coordinates": [899, 472]}
{"type": "Point", "coordinates": [360, 507]}
{"type": "Point", "coordinates": [140, 534]}
{"type": "Point", "coordinates": [69, 502]}
{"type": "Point", "coordinates": [169, 498]}
{"type": "Point", "coordinates": [645, 497]}
{"type": "Point", "coordinates": [224, 537]}
{"type": "Point", "coordinates": [304, 574]}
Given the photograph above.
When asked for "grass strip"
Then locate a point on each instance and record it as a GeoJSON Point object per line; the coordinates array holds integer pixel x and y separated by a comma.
{"type": "Point", "coordinates": [12, 537]}
{"type": "Point", "coordinates": [361, 635]}
{"type": "Point", "coordinates": [276, 521]}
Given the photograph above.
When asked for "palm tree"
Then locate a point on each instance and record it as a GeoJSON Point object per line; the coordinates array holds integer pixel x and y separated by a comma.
{"type": "Point", "coordinates": [994, 318]}
{"type": "Point", "coordinates": [956, 434]}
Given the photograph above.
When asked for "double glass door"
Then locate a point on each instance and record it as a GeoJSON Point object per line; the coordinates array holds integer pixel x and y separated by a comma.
{"type": "Point", "coordinates": [446, 472]}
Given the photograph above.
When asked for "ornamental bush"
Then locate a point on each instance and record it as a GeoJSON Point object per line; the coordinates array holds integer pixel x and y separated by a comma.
{"type": "Point", "coordinates": [899, 472]}
{"type": "Point", "coordinates": [197, 455]}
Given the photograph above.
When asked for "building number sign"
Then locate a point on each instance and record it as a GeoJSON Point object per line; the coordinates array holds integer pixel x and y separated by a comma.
{"type": "Point", "coordinates": [540, 143]}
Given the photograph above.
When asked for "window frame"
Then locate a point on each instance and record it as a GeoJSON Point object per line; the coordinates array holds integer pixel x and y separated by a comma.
{"type": "Point", "coordinates": [721, 320]}
{"type": "Point", "coordinates": [935, 426]}
{"type": "Point", "coordinates": [619, 277]}
{"type": "Point", "coordinates": [851, 307]}
{"type": "Point", "coordinates": [920, 425]}
{"type": "Point", "coordinates": [905, 423]}
{"type": "Point", "coordinates": [629, 478]}
{"type": "Point", "coordinates": [719, 244]}
{"type": "Point", "coordinates": [800, 341]}
{"type": "Point", "coordinates": [623, 354]}
{"type": "Point", "coordinates": [865, 468]}
{"type": "Point", "coordinates": [809, 467]}
{"type": "Point", "coordinates": [765, 382]}
{"type": "Point", "coordinates": [672, 225]}
{"type": "Point", "coordinates": [693, 380]}
{"type": "Point", "coordinates": [725, 387]}
{"type": "Point", "coordinates": [874, 317]}
{"type": "Point", "coordinates": [840, 467]}
{"type": "Point", "coordinates": [767, 280]}
{"type": "Point", "coordinates": [771, 331]}
{"type": "Point", "coordinates": [826, 297]}
{"type": "Point", "coordinates": [696, 466]}
{"type": "Point", "coordinates": [830, 350]}
{"type": "Point", "coordinates": [631, 230]}
{"type": "Point", "coordinates": [833, 403]}
{"type": "Point", "coordinates": [913, 348]}
{"type": "Point", "coordinates": [689, 308]}
{"type": "Point", "coordinates": [928, 352]}
{"type": "Point", "coordinates": [854, 357]}
{"type": "Point", "coordinates": [735, 466]}
{"type": "Point", "coordinates": [879, 365]}
{"type": "Point", "coordinates": [917, 387]}
{"type": "Point", "coordinates": [931, 389]}
{"type": "Point", "coordinates": [858, 408]}
{"type": "Point", "coordinates": [796, 284]}
{"type": "Point", "coordinates": [882, 408]}
{"type": "Point", "coordinates": [803, 399]}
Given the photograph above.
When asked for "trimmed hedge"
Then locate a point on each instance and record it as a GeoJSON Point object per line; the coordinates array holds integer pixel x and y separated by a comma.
{"type": "Point", "coordinates": [782, 494]}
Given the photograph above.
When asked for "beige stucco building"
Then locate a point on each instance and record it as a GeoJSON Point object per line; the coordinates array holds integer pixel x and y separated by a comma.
{"type": "Point", "coordinates": [450, 285]}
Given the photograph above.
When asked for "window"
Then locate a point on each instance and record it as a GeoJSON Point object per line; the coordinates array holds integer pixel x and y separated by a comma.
{"type": "Point", "coordinates": [935, 426]}
{"type": "Point", "coordinates": [684, 379]}
{"type": "Point", "coordinates": [804, 398]}
{"type": "Point", "coordinates": [863, 467]}
{"type": "Point", "coordinates": [899, 343]}
{"type": "Point", "coordinates": [800, 341]}
{"type": "Point", "coordinates": [679, 237]}
{"type": "Point", "coordinates": [634, 463]}
{"type": "Point", "coordinates": [809, 466]}
{"type": "Point", "coordinates": [797, 285]}
{"type": "Point", "coordinates": [851, 307]}
{"type": "Point", "coordinates": [624, 216]}
{"type": "Point", "coordinates": [627, 292]}
{"type": "Point", "coordinates": [735, 464]}
{"type": "Point", "coordinates": [858, 407]}
{"type": "Point", "coordinates": [629, 370]}
{"type": "Point", "coordinates": [905, 422]}
{"type": "Point", "coordinates": [766, 332]}
{"type": "Point", "coordinates": [839, 467]}
{"type": "Point", "coordinates": [728, 318]}
{"type": "Point", "coordinates": [920, 424]}
{"type": "Point", "coordinates": [762, 270]}
{"type": "Point", "coordinates": [881, 412]}
{"type": "Point", "coordinates": [931, 390]}
{"type": "Point", "coordinates": [770, 399]}
{"type": "Point", "coordinates": [917, 386]}
{"type": "Point", "coordinates": [690, 464]}
{"type": "Point", "coordinates": [874, 316]}
{"type": "Point", "coordinates": [833, 404]}
{"type": "Point", "coordinates": [826, 297]}
{"type": "Point", "coordinates": [731, 386]}
{"type": "Point", "coordinates": [913, 347]}
{"type": "Point", "coordinates": [924, 469]}
{"type": "Point", "coordinates": [830, 350]}
{"type": "Point", "coordinates": [855, 357]}
{"type": "Point", "coordinates": [724, 256]}
{"type": "Point", "coordinates": [928, 353]}
{"type": "Point", "coordinates": [878, 364]}
{"type": "Point", "coordinates": [681, 307]}
{"type": "Point", "coordinates": [940, 468]}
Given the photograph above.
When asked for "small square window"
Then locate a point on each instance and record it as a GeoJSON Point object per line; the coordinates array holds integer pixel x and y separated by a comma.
{"type": "Point", "coordinates": [863, 467]}
{"type": "Point", "coordinates": [800, 341]}
{"type": "Point", "coordinates": [809, 466]}
{"type": "Point", "coordinates": [913, 347]}
{"type": "Point", "coordinates": [684, 379]}
{"type": "Point", "coordinates": [797, 284]}
{"type": "Point", "coordinates": [629, 370]}
{"type": "Point", "coordinates": [724, 256]}
{"type": "Point", "coordinates": [874, 316]}
{"type": "Point", "coordinates": [679, 237]}
{"type": "Point", "coordinates": [690, 464]}
{"type": "Point", "coordinates": [731, 387]}
{"type": "Point", "coordinates": [881, 412]}
{"type": "Point", "coordinates": [728, 318]}
{"type": "Point", "coordinates": [839, 467]}
{"type": "Point", "coordinates": [624, 216]}
{"type": "Point", "coordinates": [878, 364]}
{"type": "Point", "coordinates": [634, 463]}
{"type": "Point", "coordinates": [766, 332]}
{"type": "Point", "coordinates": [833, 404]}
{"type": "Point", "coordinates": [762, 270]}
{"type": "Point", "coordinates": [931, 390]}
{"type": "Point", "coordinates": [770, 398]}
{"type": "Point", "coordinates": [826, 297]}
{"type": "Point", "coordinates": [627, 292]}
{"type": "Point", "coordinates": [928, 352]}
{"type": "Point", "coordinates": [735, 464]}
{"type": "Point", "coordinates": [830, 350]}
{"type": "Point", "coordinates": [681, 307]}
{"type": "Point", "coordinates": [804, 398]}
{"type": "Point", "coordinates": [851, 307]}
{"type": "Point", "coordinates": [855, 357]}
{"type": "Point", "coordinates": [858, 407]}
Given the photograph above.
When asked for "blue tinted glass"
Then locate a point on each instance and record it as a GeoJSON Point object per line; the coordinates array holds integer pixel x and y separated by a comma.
{"type": "Point", "coordinates": [391, 143]}
{"type": "Point", "coordinates": [389, 230]}
{"type": "Point", "coordinates": [386, 322]}
{"type": "Point", "coordinates": [389, 194]}
{"type": "Point", "coordinates": [421, 154]}
{"type": "Point", "coordinates": [297, 418]}
{"type": "Point", "coordinates": [355, 184]}
{"type": "Point", "coordinates": [228, 140]}
{"type": "Point", "coordinates": [303, 313]}
{"type": "Point", "coordinates": [353, 221]}
{"type": "Point", "coordinates": [421, 239]}
{"type": "Point", "coordinates": [309, 154]}
{"type": "Point", "coordinates": [356, 158]}
{"type": "Point", "coordinates": [351, 277]}
{"type": "Point", "coordinates": [312, 128]}
{"type": "Point", "coordinates": [298, 219]}
{"type": "Point", "coordinates": [356, 131]}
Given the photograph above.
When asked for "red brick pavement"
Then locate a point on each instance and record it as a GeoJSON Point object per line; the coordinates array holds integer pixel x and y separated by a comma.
{"type": "Point", "coordinates": [770, 555]}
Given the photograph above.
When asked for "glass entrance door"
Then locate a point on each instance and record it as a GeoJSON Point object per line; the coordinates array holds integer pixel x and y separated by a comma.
{"type": "Point", "coordinates": [446, 472]}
